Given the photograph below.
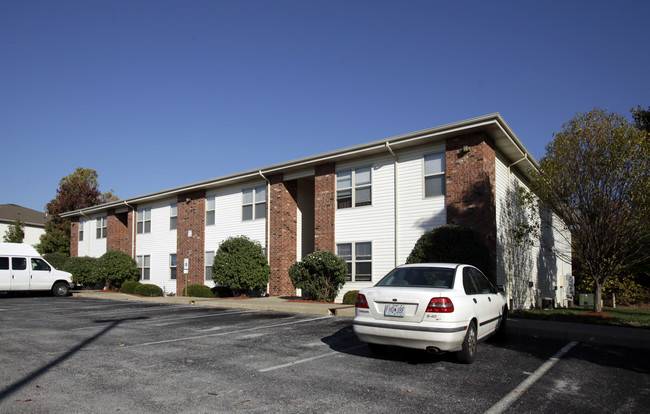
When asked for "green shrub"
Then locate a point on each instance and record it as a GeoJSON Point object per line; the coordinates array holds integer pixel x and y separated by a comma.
{"type": "Point", "coordinates": [129, 286]}
{"type": "Point", "coordinates": [320, 275]}
{"type": "Point", "coordinates": [81, 269]}
{"type": "Point", "coordinates": [149, 290]}
{"type": "Point", "coordinates": [222, 292]}
{"type": "Point", "coordinates": [115, 267]}
{"type": "Point", "coordinates": [350, 297]}
{"type": "Point", "coordinates": [240, 263]}
{"type": "Point", "coordinates": [453, 244]}
{"type": "Point", "coordinates": [198, 291]}
{"type": "Point", "coordinates": [58, 260]}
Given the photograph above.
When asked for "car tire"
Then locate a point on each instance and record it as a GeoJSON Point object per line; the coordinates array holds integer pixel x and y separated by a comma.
{"type": "Point", "coordinates": [61, 289]}
{"type": "Point", "coordinates": [378, 349]}
{"type": "Point", "coordinates": [468, 352]}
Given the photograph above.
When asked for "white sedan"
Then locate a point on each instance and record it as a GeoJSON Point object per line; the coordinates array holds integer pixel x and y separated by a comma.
{"type": "Point", "coordinates": [438, 307]}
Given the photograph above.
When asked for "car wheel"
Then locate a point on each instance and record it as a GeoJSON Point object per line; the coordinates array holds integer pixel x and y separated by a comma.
{"type": "Point", "coordinates": [378, 349]}
{"type": "Point", "coordinates": [467, 354]}
{"type": "Point", "coordinates": [61, 289]}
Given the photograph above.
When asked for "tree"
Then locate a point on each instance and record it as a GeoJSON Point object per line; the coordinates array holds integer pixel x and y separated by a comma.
{"type": "Point", "coordinates": [240, 263]}
{"type": "Point", "coordinates": [77, 190]}
{"type": "Point", "coordinates": [115, 268]}
{"type": "Point", "coordinates": [320, 275]}
{"type": "Point", "coordinates": [15, 232]}
{"type": "Point", "coordinates": [641, 118]}
{"type": "Point", "coordinates": [595, 177]}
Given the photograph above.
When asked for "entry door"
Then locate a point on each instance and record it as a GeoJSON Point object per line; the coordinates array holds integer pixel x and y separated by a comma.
{"type": "Point", "coordinates": [19, 273]}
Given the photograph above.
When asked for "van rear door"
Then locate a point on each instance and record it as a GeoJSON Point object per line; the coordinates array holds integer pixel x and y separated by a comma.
{"type": "Point", "coordinates": [19, 273]}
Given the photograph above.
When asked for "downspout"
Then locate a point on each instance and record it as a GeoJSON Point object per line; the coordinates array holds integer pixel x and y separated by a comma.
{"type": "Point", "coordinates": [268, 223]}
{"type": "Point", "coordinates": [133, 218]}
{"type": "Point", "coordinates": [395, 198]}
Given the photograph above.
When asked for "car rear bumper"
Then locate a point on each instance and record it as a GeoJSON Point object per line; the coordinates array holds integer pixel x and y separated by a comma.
{"type": "Point", "coordinates": [445, 337]}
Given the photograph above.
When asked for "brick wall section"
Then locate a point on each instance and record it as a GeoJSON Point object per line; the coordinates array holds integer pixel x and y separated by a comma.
{"type": "Point", "coordinates": [191, 217]}
{"type": "Point", "coordinates": [471, 187]}
{"type": "Point", "coordinates": [325, 207]}
{"type": "Point", "coordinates": [74, 237]}
{"type": "Point", "coordinates": [283, 234]}
{"type": "Point", "coordinates": [118, 231]}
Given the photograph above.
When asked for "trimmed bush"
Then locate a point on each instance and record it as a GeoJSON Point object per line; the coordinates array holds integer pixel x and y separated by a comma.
{"type": "Point", "coordinates": [240, 263]}
{"type": "Point", "coordinates": [81, 269]}
{"type": "Point", "coordinates": [198, 291]}
{"type": "Point", "coordinates": [222, 292]}
{"type": "Point", "coordinates": [320, 275]}
{"type": "Point", "coordinates": [129, 286]}
{"type": "Point", "coordinates": [149, 290]}
{"type": "Point", "coordinates": [350, 297]}
{"type": "Point", "coordinates": [453, 244]}
{"type": "Point", "coordinates": [115, 267]}
{"type": "Point", "coordinates": [58, 260]}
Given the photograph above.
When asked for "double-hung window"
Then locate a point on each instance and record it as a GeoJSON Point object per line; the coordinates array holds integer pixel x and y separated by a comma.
{"type": "Point", "coordinates": [354, 188]}
{"type": "Point", "coordinates": [254, 203]}
{"type": "Point", "coordinates": [359, 259]}
{"type": "Point", "coordinates": [144, 221]}
{"type": "Point", "coordinates": [144, 267]}
{"type": "Point", "coordinates": [210, 210]}
{"type": "Point", "coordinates": [173, 216]}
{"type": "Point", "coordinates": [434, 174]}
{"type": "Point", "coordinates": [172, 266]}
{"type": "Point", "coordinates": [81, 231]}
{"type": "Point", "coordinates": [101, 227]}
{"type": "Point", "coordinates": [209, 261]}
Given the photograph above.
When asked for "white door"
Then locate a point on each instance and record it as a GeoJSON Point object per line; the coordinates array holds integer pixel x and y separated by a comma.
{"type": "Point", "coordinates": [41, 274]}
{"type": "Point", "coordinates": [19, 273]}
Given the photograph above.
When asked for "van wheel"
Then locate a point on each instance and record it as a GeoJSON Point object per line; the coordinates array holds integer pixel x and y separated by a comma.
{"type": "Point", "coordinates": [60, 289]}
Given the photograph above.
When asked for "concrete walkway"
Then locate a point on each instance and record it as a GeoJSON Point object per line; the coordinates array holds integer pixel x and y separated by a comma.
{"type": "Point", "coordinates": [606, 335]}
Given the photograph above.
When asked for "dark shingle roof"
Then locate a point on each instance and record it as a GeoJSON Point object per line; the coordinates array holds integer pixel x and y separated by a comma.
{"type": "Point", "coordinates": [11, 212]}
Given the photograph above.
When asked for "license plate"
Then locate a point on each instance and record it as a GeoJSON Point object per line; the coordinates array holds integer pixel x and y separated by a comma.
{"type": "Point", "coordinates": [394, 310]}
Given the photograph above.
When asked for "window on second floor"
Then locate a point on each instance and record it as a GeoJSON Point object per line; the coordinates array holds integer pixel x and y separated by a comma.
{"type": "Point", "coordinates": [210, 210]}
{"type": "Point", "coordinates": [354, 188]}
{"type": "Point", "coordinates": [173, 216]}
{"type": "Point", "coordinates": [434, 174]}
{"type": "Point", "coordinates": [254, 203]}
{"type": "Point", "coordinates": [144, 221]}
{"type": "Point", "coordinates": [101, 227]}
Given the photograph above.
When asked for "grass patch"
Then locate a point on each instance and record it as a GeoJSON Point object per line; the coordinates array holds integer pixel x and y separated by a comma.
{"type": "Point", "coordinates": [630, 317]}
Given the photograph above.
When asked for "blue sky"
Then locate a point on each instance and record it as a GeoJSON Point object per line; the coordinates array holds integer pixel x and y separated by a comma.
{"type": "Point", "coordinates": [157, 94]}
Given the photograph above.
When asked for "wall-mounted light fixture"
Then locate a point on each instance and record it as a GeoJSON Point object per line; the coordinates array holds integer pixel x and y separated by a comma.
{"type": "Point", "coordinates": [465, 148]}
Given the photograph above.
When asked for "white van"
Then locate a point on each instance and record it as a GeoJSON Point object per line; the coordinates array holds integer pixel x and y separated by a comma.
{"type": "Point", "coordinates": [23, 269]}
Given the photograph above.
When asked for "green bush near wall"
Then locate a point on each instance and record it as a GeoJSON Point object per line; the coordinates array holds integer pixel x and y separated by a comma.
{"type": "Point", "coordinates": [129, 286]}
{"type": "Point", "coordinates": [198, 291]}
{"type": "Point", "coordinates": [58, 260]}
{"type": "Point", "coordinates": [148, 290]}
{"type": "Point", "coordinates": [81, 269]}
{"type": "Point", "coordinates": [320, 275]}
{"type": "Point", "coordinates": [350, 297]}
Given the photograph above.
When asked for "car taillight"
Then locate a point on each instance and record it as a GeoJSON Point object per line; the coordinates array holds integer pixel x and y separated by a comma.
{"type": "Point", "coordinates": [361, 301]}
{"type": "Point", "coordinates": [444, 305]}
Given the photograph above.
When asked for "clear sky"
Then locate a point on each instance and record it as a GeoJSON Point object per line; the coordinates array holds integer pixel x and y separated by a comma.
{"type": "Point", "coordinates": [158, 94]}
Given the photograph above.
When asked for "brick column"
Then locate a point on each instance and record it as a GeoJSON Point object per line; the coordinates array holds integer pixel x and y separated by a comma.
{"type": "Point", "coordinates": [325, 207]}
{"type": "Point", "coordinates": [470, 186]}
{"type": "Point", "coordinates": [74, 237]}
{"type": "Point", "coordinates": [190, 239]}
{"type": "Point", "coordinates": [283, 234]}
{"type": "Point", "coordinates": [118, 231]}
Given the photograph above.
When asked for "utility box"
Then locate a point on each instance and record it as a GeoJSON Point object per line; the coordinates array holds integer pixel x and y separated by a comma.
{"type": "Point", "coordinates": [586, 300]}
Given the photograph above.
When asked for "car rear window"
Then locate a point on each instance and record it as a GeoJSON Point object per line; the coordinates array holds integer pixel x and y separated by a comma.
{"type": "Point", "coordinates": [430, 277]}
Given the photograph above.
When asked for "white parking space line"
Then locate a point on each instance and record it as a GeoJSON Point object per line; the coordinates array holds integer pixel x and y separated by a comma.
{"type": "Point", "coordinates": [301, 361]}
{"type": "Point", "coordinates": [513, 395]}
{"type": "Point", "coordinates": [189, 338]}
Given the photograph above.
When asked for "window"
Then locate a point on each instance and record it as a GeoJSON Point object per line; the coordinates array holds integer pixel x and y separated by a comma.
{"type": "Point", "coordinates": [101, 227]}
{"type": "Point", "coordinates": [18, 263]}
{"type": "Point", "coordinates": [354, 188]}
{"type": "Point", "coordinates": [209, 261]}
{"type": "Point", "coordinates": [172, 266]}
{"type": "Point", "coordinates": [173, 216]}
{"type": "Point", "coordinates": [81, 232]}
{"type": "Point", "coordinates": [359, 259]}
{"type": "Point", "coordinates": [144, 267]}
{"type": "Point", "coordinates": [144, 221]}
{"type": "Point", "coordinates": [210, 211]}
{"type": "Point", "coordinates": [434, 175]}
{"type": "Point", "coordinates": [254, 203]}
{"type": "Point", "coordinates": [4, 263]}
{"type": "Point", "coordinates": [40, 264]}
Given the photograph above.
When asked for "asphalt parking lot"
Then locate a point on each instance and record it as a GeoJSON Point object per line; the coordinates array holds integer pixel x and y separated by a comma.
{"type": "Point", "coordinates": [82, 355]}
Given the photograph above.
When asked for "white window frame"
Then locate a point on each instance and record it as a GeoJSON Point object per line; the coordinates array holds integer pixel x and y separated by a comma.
{"type": "Point", "coordinates": [144, 221]}
{"type": "Point", "coordinates": [102, 226]}
{"type": "Point", "coordinates": [211, 211]}
{"type": "Point", "coordinates": [81, 232]}
{"type": "Point", "coordinates": [254, 203]}
{"type": "Point", "coordinates": [351, 183]}
{"type": "Point", "coordinates": [173, 216]}
{"type": "Point", "coordinates": [144, 267]}
{"type": "Point", "coordinates": [209, 261]}
{"type": "Point", "coordinates": [173, 266]}
{"type": "Point", "coordinates": [354, 258]}
{"type": "Point", "coordinates": [428, 175]}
